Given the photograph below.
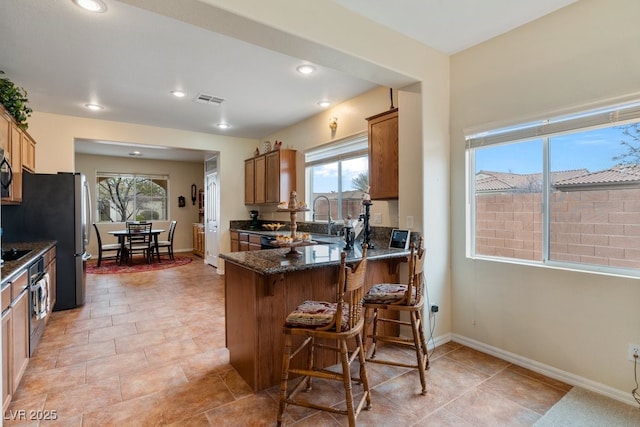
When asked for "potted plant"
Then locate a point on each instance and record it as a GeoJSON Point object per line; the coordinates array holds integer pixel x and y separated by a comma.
{"type": "Point", "coordinates": [14, 99]}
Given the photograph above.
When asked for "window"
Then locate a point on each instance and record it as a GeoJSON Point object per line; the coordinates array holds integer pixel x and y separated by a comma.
{"type": "Point", "coordinates": [130, 197]}
{"type": "Point", "coordinates": [564, 191]}
{"type": "Point", "coordinates": [337, 175]}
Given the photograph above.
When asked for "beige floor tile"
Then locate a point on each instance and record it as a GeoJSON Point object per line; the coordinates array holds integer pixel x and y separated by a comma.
{"type": "Point", "coordinates": [81, 353]}
{"type": "Point", "coordinates": [151, 380]}
{"type": "Point", "coordinates": [118, 364]}
{"type": "Point", "coordinates": [149, 350]}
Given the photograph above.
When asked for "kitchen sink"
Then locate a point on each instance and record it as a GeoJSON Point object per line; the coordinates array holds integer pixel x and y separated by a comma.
{"type": "Point", "coordinates": [14, 254]}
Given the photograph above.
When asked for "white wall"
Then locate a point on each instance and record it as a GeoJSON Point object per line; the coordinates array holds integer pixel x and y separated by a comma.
{"type": "Point", "coordinates": [574, 324]}
{"type": "Point", "coordinates": [321, 32]}
{"type": "Point", "coordinates": [181, 176]}
{"type": "Point", "coordinates": [55, 134]}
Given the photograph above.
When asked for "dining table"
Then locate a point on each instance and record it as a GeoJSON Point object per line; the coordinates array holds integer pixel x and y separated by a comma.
{"type": "Point", "coordinates": [122, 240]}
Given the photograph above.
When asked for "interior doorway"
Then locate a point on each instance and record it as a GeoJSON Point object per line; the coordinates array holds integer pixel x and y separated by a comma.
{"type": "Point", "coordinates": [211, 212]}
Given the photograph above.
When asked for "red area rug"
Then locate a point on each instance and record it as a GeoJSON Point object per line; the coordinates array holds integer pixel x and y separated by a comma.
{"type": "Point", "coordinates": [138, 266]}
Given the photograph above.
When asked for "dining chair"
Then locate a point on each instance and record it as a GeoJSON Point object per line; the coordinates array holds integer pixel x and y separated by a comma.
{"type": "Point", "coordinates": [139, 240]}
{"type": "Point", "coordinates": [340, 322]}
{"type": "Point", "coordinates": [167, 244]}
{"type": "Point", "coordinates": [408, 301]}
{"type": "Point", "coordinates": [108, 247]}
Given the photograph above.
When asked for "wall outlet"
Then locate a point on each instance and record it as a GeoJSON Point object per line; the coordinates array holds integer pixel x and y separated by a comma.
{"type": "Point", "coordinates": [409, 221]}
{"type": "Point", "coordinates": [377, 218]}
{"type": "Point", "coordinates": [633, 349]}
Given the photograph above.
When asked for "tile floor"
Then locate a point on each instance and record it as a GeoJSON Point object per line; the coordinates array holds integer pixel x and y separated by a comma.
{"type": "Point", "coordinates": [148, 349]}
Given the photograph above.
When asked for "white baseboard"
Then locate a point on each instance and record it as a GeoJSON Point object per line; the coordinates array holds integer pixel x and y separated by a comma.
{"type": "Point", "coordinates": [547, 370]}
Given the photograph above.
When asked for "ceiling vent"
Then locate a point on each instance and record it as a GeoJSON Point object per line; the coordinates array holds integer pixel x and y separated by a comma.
{"type": "Point", "coordinates": [204, 98]}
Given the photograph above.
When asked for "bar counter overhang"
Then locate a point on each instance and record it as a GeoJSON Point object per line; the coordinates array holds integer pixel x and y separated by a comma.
{"type": "Point", "coordinates": [262, 287]}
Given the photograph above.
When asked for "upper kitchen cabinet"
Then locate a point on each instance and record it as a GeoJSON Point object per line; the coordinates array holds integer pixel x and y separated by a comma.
{"type": "Point", "coordinates": [269, 177]}
{"type": "Point", "coordinates": [28, 153]}
{"type": "Point", "coordinates": [20, 151]}
{"type": "Point", "coordinates": [5, 129]}
{"type": "Point", "coordinates": [383, 155]}
{"type": "Point", "coordinates": [13, 153]}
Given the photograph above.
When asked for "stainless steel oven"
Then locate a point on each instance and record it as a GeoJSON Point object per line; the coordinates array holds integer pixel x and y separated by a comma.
{"type": "Point", "coordinates": [38, 302]}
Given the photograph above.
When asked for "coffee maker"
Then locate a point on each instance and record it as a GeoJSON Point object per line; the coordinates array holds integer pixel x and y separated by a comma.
{"type": "Point", "coordinates": [254, 219]}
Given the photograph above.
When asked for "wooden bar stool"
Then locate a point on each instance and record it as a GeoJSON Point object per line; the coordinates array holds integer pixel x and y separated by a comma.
{"type": "Point", "coordinates": [340, 321]}
{"type": "Point", "coordinates": [404, 299]}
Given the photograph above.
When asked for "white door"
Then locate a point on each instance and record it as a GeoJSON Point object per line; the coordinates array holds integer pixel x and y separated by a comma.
{"type": "Point", "coordinates": [211, 215]}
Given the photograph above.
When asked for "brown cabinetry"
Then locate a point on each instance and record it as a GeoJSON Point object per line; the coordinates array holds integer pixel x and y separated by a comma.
{"type": "Point", "coordinates": [28, 153]}
{"type": "Point", "coordinates": [270, 177]}
{"type": "Point", "coordinates": [7, 392]}
{"type": "Point", "coordinates": [383, 155]}
{"type": "Point", "coordinates": [14, 155]}
{"type": "Point", "coordinates": [15, 335]}
{"type": "Point", "coordinates": [198, 239]}
{"type": "Point", "coordinates": [20, 151]}
{"type": "Point", "coordinates": [254, 242]}
{"type": "Point", "coordinates": [20, 344]}
{"type": "Point", "coordinates": [242, 241]}
{"type": "Point", "coordinates": [235, 243]}
{"type": "Point", "coordinates": [5, 130]}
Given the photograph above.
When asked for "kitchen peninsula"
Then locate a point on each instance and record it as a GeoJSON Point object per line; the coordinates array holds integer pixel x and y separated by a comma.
{"type": "Point", "coordinates": [263, 286]}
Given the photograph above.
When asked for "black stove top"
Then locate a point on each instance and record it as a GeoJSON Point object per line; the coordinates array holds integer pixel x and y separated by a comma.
{"type": "Point", "coordinates": [14, 254]}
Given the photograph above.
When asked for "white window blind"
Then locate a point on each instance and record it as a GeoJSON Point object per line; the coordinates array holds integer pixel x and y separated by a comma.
{"type": "Point", "coordinates": [619, 114]}
{"type": "Point", "coordinates": [346, 148]}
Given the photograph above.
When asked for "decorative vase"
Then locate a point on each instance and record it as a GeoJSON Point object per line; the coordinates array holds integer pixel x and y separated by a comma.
{"type": "Point", "coordinates": [266, 146]}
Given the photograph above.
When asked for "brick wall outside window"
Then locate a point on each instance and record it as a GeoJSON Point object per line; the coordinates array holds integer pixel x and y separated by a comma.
{"type": "Point", "coordinates": [599, 227]}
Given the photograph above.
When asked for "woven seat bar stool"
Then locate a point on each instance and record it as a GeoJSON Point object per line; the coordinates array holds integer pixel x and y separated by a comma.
{"type": "Point", "coordinates": [404, 299]}
{"type": "Point", "coordinates": [342, 322]}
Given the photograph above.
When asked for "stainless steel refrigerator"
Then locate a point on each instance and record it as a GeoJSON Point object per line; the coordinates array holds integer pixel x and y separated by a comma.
{"type": "Point", "coordinates": [55, 207]}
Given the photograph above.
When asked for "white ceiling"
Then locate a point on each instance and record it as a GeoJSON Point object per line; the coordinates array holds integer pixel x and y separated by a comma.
{"type": "Point", "coordinates": [129, 60]}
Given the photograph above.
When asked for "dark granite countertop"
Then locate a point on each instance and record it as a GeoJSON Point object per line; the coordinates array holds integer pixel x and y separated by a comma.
{"type": "Point", "coordinates": [274, 261]}
{"type": "Point", "coordinates": [11, 267]}
{"type": "Point", "coordinates": [324, 238]}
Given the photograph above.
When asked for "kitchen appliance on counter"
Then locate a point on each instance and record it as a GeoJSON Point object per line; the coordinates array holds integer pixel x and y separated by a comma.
{"type": "Point", "coordinates": [55, 207]}
{"type": "Point", "coordinates": [254, 219]}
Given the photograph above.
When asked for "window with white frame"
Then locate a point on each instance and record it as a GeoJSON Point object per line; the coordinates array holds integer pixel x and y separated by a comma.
{"type": "Point", "coordinates": [337, 175]}
{"type": "Point", "coordinates": [131, 197]}
{"type": "Point", "coordinates": [564, 191]}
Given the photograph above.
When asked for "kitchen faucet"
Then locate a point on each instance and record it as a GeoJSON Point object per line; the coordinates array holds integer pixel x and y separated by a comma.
{"type": "Point", "coordinates": [330, 220]}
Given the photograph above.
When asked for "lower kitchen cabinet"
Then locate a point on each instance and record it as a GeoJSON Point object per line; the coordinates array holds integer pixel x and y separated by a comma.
{"type": "Point", "coordinates": [235, 242]}
{"type": "Point", "coordinates": [20, 334]}
{"type": "Point", "coordinates": [242, 241]}
{"type": "Point", "coordinates": [7, 389]}
{"type": "Point", "coordinates": [198, 239]}
{"type": "Point", "coordinates": [15, 335]}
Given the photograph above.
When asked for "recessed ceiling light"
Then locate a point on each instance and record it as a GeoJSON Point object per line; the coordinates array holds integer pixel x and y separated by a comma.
{"type": "Point", "coordinates": [223, 125]}
{"type": "Point", "coordinates": [305, 69]}
{"type": "Point", "coordinates": [135, 153]}
{"type": "Point", "coordinates": [178, 93]}
{"type": "Point", "coordinates": [96, 6]}
{"type": "Point", "coordinates": [94, 107]}
{"type": "Point", "coordinates": [324, 104]}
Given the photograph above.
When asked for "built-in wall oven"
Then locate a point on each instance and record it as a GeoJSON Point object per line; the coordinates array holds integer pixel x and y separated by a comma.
{"type": "Point", "coordinates": [38, 301]}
